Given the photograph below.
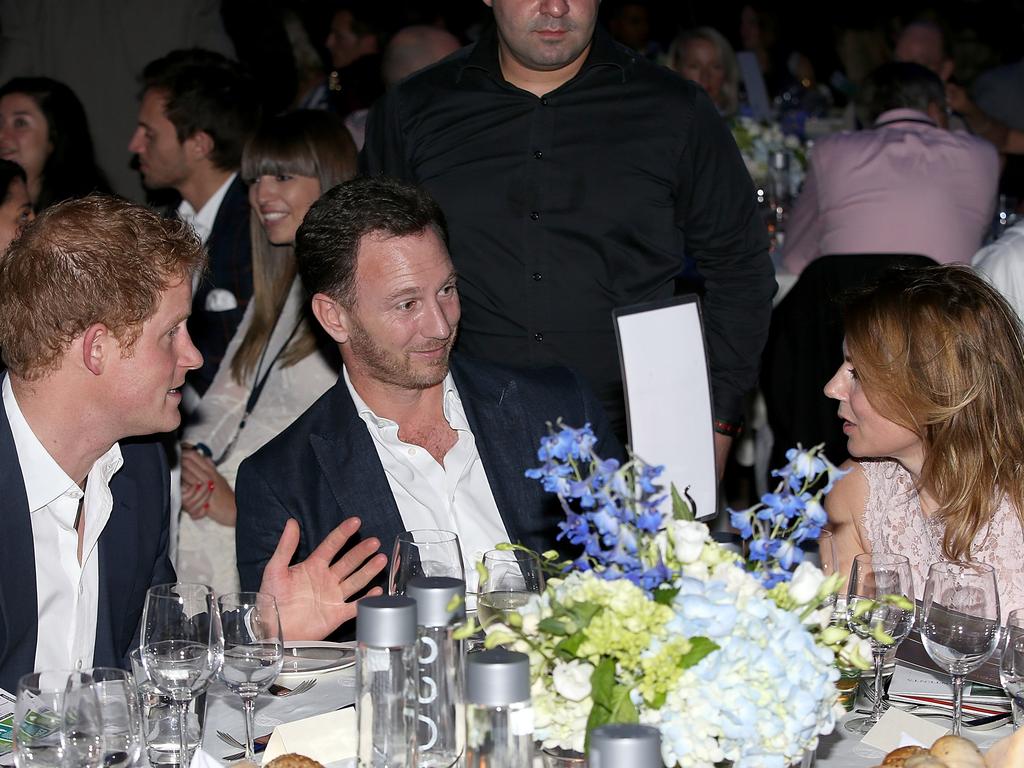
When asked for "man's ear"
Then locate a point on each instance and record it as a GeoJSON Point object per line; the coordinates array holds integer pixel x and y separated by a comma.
{"type": "Point", "coordinates": [332, 316]}
{"type": "Point", "coordinates": [199, 145]}
{"type": "Point", "coordinates": [98, 348]}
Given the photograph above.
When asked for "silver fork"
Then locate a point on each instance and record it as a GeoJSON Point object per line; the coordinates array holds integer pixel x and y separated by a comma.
{"type": "Point", "coordinates": [281, 692]}
{"type": "Point", "coordinates": [230, 740]}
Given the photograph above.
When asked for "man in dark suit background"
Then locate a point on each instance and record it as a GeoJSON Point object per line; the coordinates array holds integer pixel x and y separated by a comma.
{"type": "Point", "coordinates": [94, 297]}
{"type": "Point", "coordinates": [404, 440]}
{"type": "Point", "coordinates": [198, 109]}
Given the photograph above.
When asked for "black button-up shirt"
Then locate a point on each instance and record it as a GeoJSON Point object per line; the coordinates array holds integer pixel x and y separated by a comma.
{"type": "Point", "coordinates": [564, 207]}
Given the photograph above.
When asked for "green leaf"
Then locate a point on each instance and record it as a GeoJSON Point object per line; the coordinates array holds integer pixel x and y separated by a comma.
{"type": "Point", "coordinates": [681, 509]}
{"type": "Point", "coordinates": [583, 613]}
{"type": "Point", "coordinates": [612, 703]}
{"type": "Point", "coordinates": [665, 595]}
{"type": "Point", "coordinates": [624, 710]}
{"type": "Point", "coordinates": [699, 648]}
{"type": "Point", "coordinates": [568, 648]}
{"type": "Point", "coordinates": [481, 572]}
{"type": "Point", "coordinates": [553, 627]}
{"type": "Point", "coordinates": [659, 700]}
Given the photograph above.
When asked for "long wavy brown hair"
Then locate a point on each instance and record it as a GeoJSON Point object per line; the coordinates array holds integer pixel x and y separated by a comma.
{"type": "Point", "coordinates": [940, 352]}
{"type": "Point", "coordinates": [302, 143]}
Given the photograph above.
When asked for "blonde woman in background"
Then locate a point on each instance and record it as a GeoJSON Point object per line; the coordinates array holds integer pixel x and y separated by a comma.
{"type": "Point", "coordinates": [275, 366]}
{"type": "Point", "coordinates": [705, 56]}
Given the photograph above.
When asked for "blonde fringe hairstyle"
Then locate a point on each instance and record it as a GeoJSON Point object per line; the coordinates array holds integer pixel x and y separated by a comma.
{"type": "Point", "coordinates": [940, 352]}
{"type": "Point", "coordinates": [301, 143]}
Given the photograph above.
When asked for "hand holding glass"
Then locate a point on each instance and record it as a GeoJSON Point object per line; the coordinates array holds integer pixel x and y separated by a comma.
{"type": "Point", "coordinates": [253, 650]}
{"type": "Point", "coordinates": [960, 622]}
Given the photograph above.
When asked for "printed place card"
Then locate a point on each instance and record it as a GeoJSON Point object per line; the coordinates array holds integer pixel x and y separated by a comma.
{"type": "Point", "coordinates": [902, 729]}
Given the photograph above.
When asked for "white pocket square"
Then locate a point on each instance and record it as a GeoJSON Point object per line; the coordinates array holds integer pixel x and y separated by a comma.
{"type": "Point", "coordinates": [220, 300]}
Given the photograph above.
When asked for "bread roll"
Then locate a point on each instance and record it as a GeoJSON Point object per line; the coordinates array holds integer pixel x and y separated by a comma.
{"type": "Point", "coordinates": [924, 760]}
{"type": "Point", "coordinates": [293, 760]}
{"type": "Point", "coordinates": [899, 756]}
{"type": "Point", "coordinates": [957, 752]}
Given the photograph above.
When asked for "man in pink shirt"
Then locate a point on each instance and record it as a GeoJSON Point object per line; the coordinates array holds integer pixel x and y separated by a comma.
{"type": "Point", "coordinates": [906, 185]}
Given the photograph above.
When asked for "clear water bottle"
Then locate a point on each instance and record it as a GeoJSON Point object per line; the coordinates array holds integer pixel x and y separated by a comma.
{"type": "Point", "coordinates": [440, 610]}
{"type": "Point", "coordinates": [386, 681]}
{"type": "Point", "coordinates": [619, 744]}
{"type": "Point", "coordinates": [499, 715]}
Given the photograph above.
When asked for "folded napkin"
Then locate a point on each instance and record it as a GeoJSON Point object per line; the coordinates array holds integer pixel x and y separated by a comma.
{"type": "Point", "coordinates": [326, 738]}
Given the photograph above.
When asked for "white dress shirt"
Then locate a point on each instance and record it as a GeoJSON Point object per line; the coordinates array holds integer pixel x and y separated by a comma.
{"type": "Point", "coordinates": [454, 496]}
{"type": "Point", "coordinates": [67, 591]}
{"type": "Point", "coordinates": [1002, 262]}
{"type": "Point", "coordinates": [202, 220]}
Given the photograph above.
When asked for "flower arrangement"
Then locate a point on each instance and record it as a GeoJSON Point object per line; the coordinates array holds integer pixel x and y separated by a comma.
{"type": "Point", "coordinates": [657, 623]}
{"type": "Point", "coordinates": [757, 141]}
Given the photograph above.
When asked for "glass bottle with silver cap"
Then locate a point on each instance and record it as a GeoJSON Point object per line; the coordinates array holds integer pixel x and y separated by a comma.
{"type": "Point", "coordinates": [499, 714]}
{"type": "Point", "coordinates": [440, 610]}
{"type": "Point", "coordinates": [386, 680]}
{"type": "Point", "coordinates": [620, 744]}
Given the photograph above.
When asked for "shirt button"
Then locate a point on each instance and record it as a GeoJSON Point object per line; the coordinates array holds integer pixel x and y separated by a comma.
{"type": "Point", "coordinates": [534, 215]}
{"type": "Point", "coordinates": [538, 154]}
{"type": "Point", "coordinates": [538, 337]}
{"type": "Point", "coordinates": [81, 589]}
{"type": "Point", "coordinates": [544, 101]}
{"type": "Point", "coordinates": [537, 276]}
{"type": "Point", "coordinates": [78, 665]}
{"type": "Point", "coordinates": [412, 451]}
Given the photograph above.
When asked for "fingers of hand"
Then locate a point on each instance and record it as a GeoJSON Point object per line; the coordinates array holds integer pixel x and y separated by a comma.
{"type": "Point", "coordinates": [355, 558]}
{"type": "Point", "coordinates": [336, 540]}
{"type": "Point", "coordinates": [358, 581]}
{"type": "Point", "coordinates": [286, 546]}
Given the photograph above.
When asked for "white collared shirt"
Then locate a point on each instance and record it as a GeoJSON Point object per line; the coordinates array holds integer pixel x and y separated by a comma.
{"type": "Point", "coordinates": [453, 497]}
{"type": "Point", "coordinates": [67, 592]}
{"type": "Point", "coordinates": [202, 220]}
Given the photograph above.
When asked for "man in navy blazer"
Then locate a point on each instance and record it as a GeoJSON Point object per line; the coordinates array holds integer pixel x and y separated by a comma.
{"type": "Point", "coordinates": [404, 440]}
{"type": "Point", "coordinates": [94, 297]}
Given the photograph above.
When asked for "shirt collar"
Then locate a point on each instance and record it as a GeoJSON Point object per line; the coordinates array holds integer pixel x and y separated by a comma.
{"type": "Point", "coordinates": [904, 115]}
{"type": "Point", "coordinates": [202, 221]}
{"type": "Point", "coordinates": [454, 413]}
{"type": "Point", "coordinates": [604, 51]}
{"type": "Point", "coordinates": [45, 480]}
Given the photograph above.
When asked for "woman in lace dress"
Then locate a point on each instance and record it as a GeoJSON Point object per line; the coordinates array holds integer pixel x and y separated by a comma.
{"type": "Point", "coordinates": [931, 395]}
{"type": "Point", "coordinates": [277, 364]}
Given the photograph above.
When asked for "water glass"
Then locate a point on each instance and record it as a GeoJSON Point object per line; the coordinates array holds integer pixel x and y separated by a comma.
{"type": "Point", "coordinates": [122, 721]}
{"type": "Point", "coordinates": [57, 721]}
{"type": "Point", "coordinates": [512, 576]}
{"type": "Point", "coordinates": [1011, 665]}
{"type": "Point", "coordinates": [960, 622]}
{"type": "Point", "coordinates": [879, 608]}
{"type": "Point", "coordinates": [424, 552]}
{"type": "Point", "coordinates": [160, 718]}
{"type": "Point", "coordinates": [253, 650]}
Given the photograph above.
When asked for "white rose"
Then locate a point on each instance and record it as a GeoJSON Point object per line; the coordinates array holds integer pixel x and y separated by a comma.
{"type": "Point", "coordinates": [689, 537]}
{"type": "Point", "coordinates": [807, 580]}
{"type": "Point", "coordinates": [572, 679]}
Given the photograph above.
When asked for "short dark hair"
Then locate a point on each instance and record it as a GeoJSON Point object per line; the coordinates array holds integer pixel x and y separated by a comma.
{"type": "Point", "coordinates": [207, 92]}
{"type": "Point", "coordinates": [9, 171]}
{"type": "Point", "coordinates": [327, 242]}
{"type": "Point", "coordinates": [901, 85]}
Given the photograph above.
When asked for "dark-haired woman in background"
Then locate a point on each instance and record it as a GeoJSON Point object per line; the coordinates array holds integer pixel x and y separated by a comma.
{"type": "Point", "coordinates": [15, 207]}
{"type": "Point", "coordinates": [43, 128]}
{"type": "Point", "coordinates": [273, 369]}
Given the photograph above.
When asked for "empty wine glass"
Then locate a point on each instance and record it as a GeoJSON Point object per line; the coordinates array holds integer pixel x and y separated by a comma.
{"type": "Point", "coordinates": [960, 622]}
{"type": "Point", "coordinates": [879, 608]}
{"type": "Point", "coordinates": [56, 721]}
{"type": "Point", "coordinates": [182, 646]}
{"type": "Point", "coordinates": [81, 724]}
{"type": "Point", "coordinates": [1011, 665]}
{"type": "Point", "coordinates": [424, 552]}
{"type": "Point", "coordinates": [122, 717]}
{"type": "Point", "coordinates": [253, 650]}
{"type": "Point", "coordinates": [512, 576]}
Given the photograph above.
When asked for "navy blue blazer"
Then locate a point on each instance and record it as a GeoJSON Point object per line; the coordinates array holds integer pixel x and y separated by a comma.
{"type": "Point", "coordinates": [132, 557]}
{"type": "Point", "coordinates": [230, 251]}
{"type": "Point", "coordinates": [324, 468]}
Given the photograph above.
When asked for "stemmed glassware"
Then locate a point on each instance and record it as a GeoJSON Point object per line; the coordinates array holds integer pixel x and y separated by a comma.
{"type": "Point", "coordinates": [1011, 665]}
{"type": "Point", "coordinates": [424, 552]}
{"type": "Point", "coordinates": [57, 721]}
{"type": "Point", "coordinates": [122, 717]}
{"type": "Point", "coordinates": [253, 650]}
{"type": "Point", "coordinates": [182, 646]}
{"type": "Point", "coordinates": [512, 576]}
{"type": "Point", "coordinates": [879, 608]}
{"type": "Point", "coordinates": [960, 621]}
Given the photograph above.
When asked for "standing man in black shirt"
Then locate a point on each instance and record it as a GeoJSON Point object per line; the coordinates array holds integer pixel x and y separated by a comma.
{"type": "Point", "coordinates": [575, 175]}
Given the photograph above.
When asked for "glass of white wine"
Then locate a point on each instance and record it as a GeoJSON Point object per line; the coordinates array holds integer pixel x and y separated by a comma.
{"type": "Point", "coordinates": [512, 576]}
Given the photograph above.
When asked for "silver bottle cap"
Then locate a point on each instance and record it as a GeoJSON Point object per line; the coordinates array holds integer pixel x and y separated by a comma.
{"type": "Point", "coordinates": [440, 600]}
{"type": "Point", "coordinates": [497, 678]}
{"type": "Point", "coordinates": [619, 744]}
{"type": "Point", "coordinates": [386, 621]}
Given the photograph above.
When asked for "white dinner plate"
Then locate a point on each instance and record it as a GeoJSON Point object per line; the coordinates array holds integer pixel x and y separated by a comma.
{"type": "Point", "coordinates": [310, 658]}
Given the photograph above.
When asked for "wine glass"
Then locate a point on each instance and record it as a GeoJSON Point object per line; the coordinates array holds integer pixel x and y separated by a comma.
{"type": "Point", "coordinates": [424, 552]}
{"type": "Point", "coordinates": [512, 576]}
{"type": "Point", "coordinates": [1011, 665]}
{"type": "Point", "coordinates": [879, 608]}
{"type": "Point", "coordinates": [122, 716]}
{"type": "Point", "coordinates": [57, 721]}
{"type": "Point", "coordinates": [960, 621]}
{"type": "Point", "coordinates": [253, 650]}
{"type": "Point", "coordinates": [182, 646]}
